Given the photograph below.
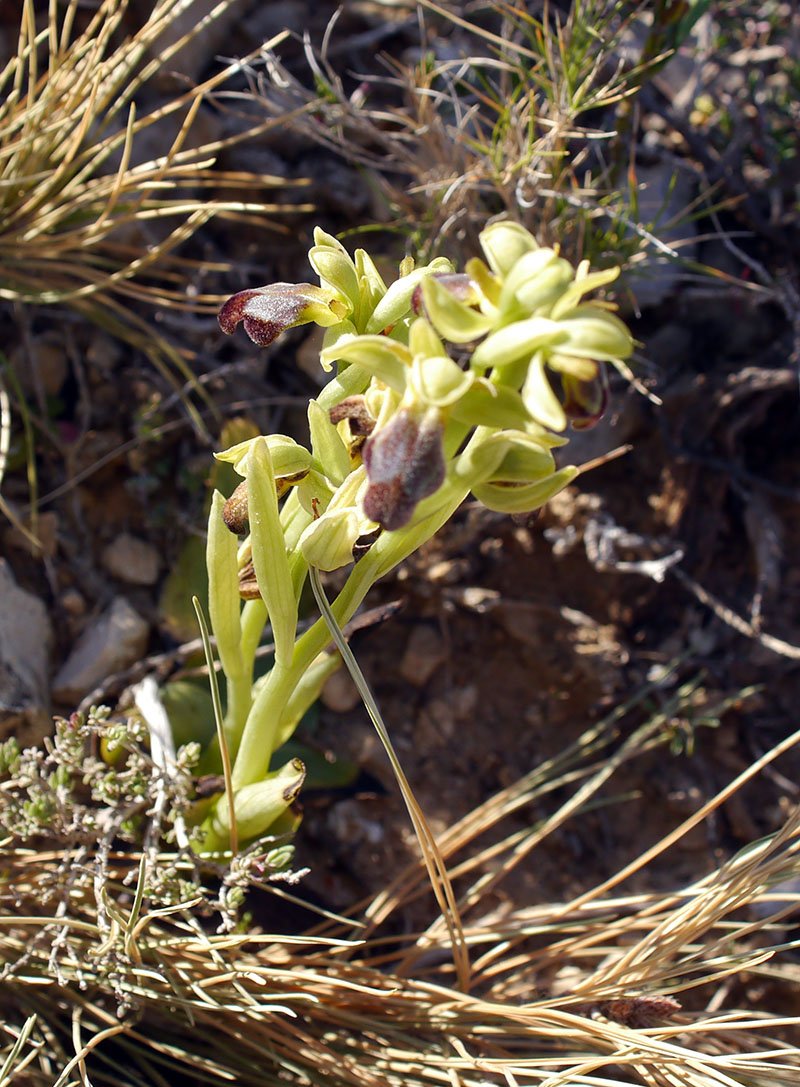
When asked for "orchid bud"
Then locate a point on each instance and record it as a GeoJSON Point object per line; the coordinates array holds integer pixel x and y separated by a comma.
{"type": "Point", "coordinates": [504, 243]}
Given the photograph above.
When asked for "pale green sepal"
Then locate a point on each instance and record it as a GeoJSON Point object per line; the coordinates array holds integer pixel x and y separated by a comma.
{"type": "Point", "coordinates": [396, 303]}
{"type": "Point", "coordinates": [540, 400]}
{"type": "Point", "coordinates": [479, 461]}
{"type": "Point", "coordinates": [288, 458]}
{"type": "Point", "coordinates": [585, 282]}
{"type": "Point", "coordinates": [526, 498]}
{"type": "Point", "coordinates": [383, 358]}
{"type": "Point", "coordinates": [526, 460]}
{"type": "Point", "coordinates": [438, 382]}
{"type": "Point", "coordinates": [350, 381]}
{"type": "Point", "coordinates": [594, 333]}
{"type": "Point", "coordinates": [515, 341]}
{"type": "Point", "coordinates": [422, 339]}
{"type": "Point", "coordinates": [486, 404]}
{"type": "Point", "coordinates": [544, 290]}
{"type": "Point", "coordinates": [269, 551]}
{"type": "Point", "coordinates": [504, 243]}
{"type": "Point", "coordinates": [306, 694]}
{"type": "Point", "coordinates": [452, 319]}
{"type": "Point", "coordinates": [256, 806]}
{"type": "Point", "coordinates": [335, 268]}
{"type": "Point", "coordinates": [224, 603]}
{"type": "Point", "coordinates": [326, 445]}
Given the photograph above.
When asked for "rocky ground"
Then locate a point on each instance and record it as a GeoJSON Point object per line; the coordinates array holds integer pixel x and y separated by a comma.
{"type": "Point", "coordinates": [514, 636]}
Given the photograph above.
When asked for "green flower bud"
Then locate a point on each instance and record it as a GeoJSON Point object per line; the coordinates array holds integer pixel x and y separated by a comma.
{"type": "Point", "coordinates": [396, 303]}
{"type": "Point", "coordinates": [504, 243]}
{"type": "Point", "coordinates": [256, 806]}
{"type": "Point", "coordinates": [328, 542]}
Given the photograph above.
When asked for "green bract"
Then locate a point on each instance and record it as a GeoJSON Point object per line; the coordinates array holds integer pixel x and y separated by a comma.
{"type": "Point", "coordinates": [448, 383]}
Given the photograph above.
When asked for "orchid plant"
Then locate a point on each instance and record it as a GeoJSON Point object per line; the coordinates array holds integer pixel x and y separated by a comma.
{"type": "Point", "coordinates": [446, 384]}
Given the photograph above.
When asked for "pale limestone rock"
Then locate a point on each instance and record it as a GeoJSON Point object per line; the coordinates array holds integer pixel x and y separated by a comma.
{"type": "Point", "coordinates": [425, 652]}
{"type": "Point", "coordinates": [132, 560]}
{"type": "Point", "coordinates": [114, 641]}
{"type": "Point", "coordinates": [25, 636]}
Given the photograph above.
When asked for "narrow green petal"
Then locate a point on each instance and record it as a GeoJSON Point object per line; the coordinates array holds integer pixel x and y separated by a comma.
{"type": "Point", "coordinates": [540, 400]}
{"type": "Point", "coordinates": [584, 283]}
{"type": "Point", "coordinates": [269, 552]}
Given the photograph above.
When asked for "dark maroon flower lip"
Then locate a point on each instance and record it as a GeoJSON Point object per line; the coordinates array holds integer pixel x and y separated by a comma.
{"type": "Point", "coordinates": [405, 463]}
{"type": "Point", "coordinates": [266, 312]}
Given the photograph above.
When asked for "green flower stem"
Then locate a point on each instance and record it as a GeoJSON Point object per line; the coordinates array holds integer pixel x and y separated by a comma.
{"type": "Point", "coordinates": [261, 731]}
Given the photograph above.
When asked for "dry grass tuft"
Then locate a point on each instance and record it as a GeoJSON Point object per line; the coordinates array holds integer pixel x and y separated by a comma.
{"type": "Point", "coordinates": [586, 992]}
{"type": "Point", "coordinates": [84, 221]}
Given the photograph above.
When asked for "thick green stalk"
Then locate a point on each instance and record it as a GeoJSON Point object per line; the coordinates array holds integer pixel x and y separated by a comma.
{"type": "Point", "coordinates": [263, 724]}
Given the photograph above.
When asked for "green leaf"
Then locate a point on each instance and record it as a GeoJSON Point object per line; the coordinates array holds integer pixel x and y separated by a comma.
{"type": "Point", "coordinates": [224, 605]}
{"type": "Point", "coordinates": [269, 552]}
{"type": "Point", "coordinates": [190, 711]}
